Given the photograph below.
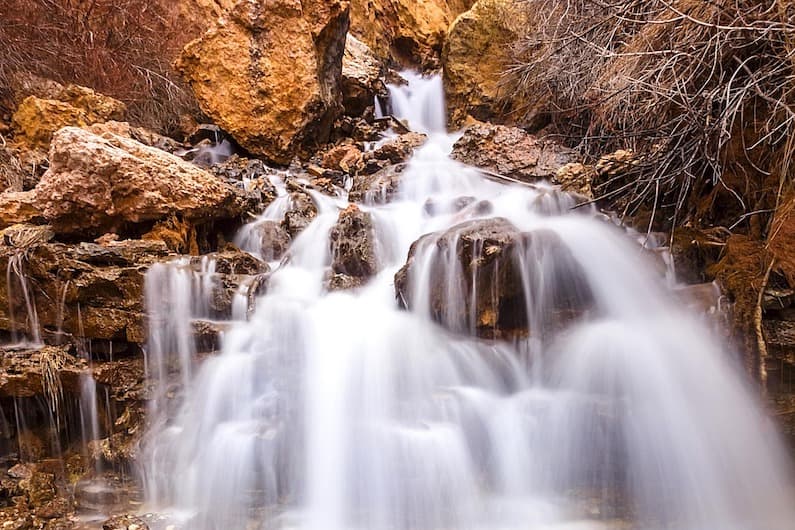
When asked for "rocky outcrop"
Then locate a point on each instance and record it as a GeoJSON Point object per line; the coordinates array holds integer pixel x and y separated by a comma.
{"type": "Point", "coordinates": [476, 53]}
{"type": "Point", "coordinates": [37, 119]}
{"type": "Point", "coordinates": [410, 32]}
{"type": "Point", "coordinates": [352, 244]}
{"type": "Point", "coordinates": [269, 73]}
{"type": "Point", "coordinates": [511, 152]}
{"type": "Point", "coordinates": [484, 293]}
{"type": "Point", "coordinates": [362, 75]}
{"type": "Point", "coordinates": [97, 184]}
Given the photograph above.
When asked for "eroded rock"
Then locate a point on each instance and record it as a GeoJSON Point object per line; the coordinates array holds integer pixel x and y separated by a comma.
{"type": "Point", "coordinates": [353, 244]}
{"type": "Point", "coordinates": [512, 152]}
{"type": "Point", "coordinates": [301, 212]}
{"type": "Point", "coordinates": [379, 188]}
{"type": "Point", "coordinates": [269, 73]}
{"type": "Point", "coordinates": [485, 294]}
{"type": "Point", "coordinates": [362, 75]}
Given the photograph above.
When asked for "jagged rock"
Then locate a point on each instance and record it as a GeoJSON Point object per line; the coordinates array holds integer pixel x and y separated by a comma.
{"type": "Point", "coordinates": [503, 261]}
{"type": "Point", "coordinates": [352, 244]}
{"type": "Point", "coordinates": [476, 53]}
{"type": "Point", "coordinates": [97, 184]}
{"type": "Point", "coordinates": [269, 73]}
{"type": "Point", "coordinates": [344, 157]}
{"type": "Point", "coordinates": [378, 188]}
{"type": "Point", "coordinates": [86, 290]}
{"type": "Point", "coordinates": [400, 148]}
{"type": "Point", "coordinates": [300, 213]}
{"type": "Point", "coordinates": [512, 152]}
{"type": "Point", "coordinates": [36, 119]}
{"type": "Point", "coordinates": [410, 32]}
{"type": "Point", "coordinates": [274, 239]}
{"type": "Point", "coordinates": [362, 75]}
{"type": "Point", "coordinates": [22, 372]}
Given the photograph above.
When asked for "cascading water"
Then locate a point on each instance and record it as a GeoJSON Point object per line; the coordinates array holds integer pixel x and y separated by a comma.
{"type": "Point", "coordinates": [339, 410]}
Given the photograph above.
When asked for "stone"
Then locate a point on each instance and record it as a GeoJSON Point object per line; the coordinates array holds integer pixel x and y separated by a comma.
{"type": "Point", "coordinates": [511, 152]}
{"type": "Point", "coordinates": [476, 54]}
{"type": "Point", "coordinates": [502, 260]}
{"type": "Point", "coordinates": [269, 73]}
{"type": "Point", "coordinates": [408, 32]}
{"type": "Point", "coordinates": [125, 522]}
{"type": "Point", "coordinates": [274, 240]}
{"type": "Point", "coordinates": [22, 372]}
{"type": "Point", "coordinates": [379, 188]}
{"type": "Point", "coordinates": [300, 213]}
{"type": "Point", "coordinates": [400, 148]}
{"type": "Point", "coordinates": [362, 77]}
{"type": "Point", "coordinates": [37, 119]}
{"type": "Point", "coordinates": [575, 177]}
{"type": "Point", "coordinates": [345, 157]}
{"type": "Point", "coordinates": [97, 184]}
{"type": "Point", "coordinates": [353, 244]}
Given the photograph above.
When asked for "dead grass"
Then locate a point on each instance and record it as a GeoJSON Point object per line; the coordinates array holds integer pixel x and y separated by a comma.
{"type": "Point", "coordinates": [122, 48]}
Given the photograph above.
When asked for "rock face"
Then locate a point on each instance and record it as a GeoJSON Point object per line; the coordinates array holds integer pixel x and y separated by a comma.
{"type": "Point", "coordinates": [511, 152]}
{"type": "Point", "coordinates": [476, 53]}
{"type": "Point", "coordinates": [352, 242]}
{"type": "Point", "coordinates": [37, 119]}
{"type": "Point", "coordinates": [97, 184]}
{"type": "Point", "coordinates": [361, 77]}
{"type": "Point", "coordinates": [410, 32]}
{"type": "Point", "coordinates": [269, 73]}
{"type": "Point", "coordinates": [483, 294]}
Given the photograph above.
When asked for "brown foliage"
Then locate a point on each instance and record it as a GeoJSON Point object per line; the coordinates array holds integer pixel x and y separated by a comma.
{"type": "Point", "coordinates": [701, 90]}
{"type": "Point", "coordinates": [122, 48]}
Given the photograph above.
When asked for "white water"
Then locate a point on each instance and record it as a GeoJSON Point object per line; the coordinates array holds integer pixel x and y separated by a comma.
{"type": "Point", "coordinates": [331, 411]}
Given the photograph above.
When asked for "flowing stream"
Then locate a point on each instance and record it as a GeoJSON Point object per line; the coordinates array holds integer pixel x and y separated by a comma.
{"type": "Point", "coordinates": [339, 410]}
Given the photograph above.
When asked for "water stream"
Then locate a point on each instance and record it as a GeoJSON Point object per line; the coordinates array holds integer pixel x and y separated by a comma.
{"type": "Point", "coordinates": [341, 411]}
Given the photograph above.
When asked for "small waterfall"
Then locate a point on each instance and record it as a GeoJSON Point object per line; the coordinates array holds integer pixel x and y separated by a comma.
{"type": "Point", "coordinates": [338, 410]}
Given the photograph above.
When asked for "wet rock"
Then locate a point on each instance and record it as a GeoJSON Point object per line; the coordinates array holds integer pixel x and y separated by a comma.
{"type": "Point", "coordinates": [362, 75]}
{"type": "Point", "coordinates": [379, 188]}
{"type": "Point", "coordinates": [476, 54]}
{"type": "Point", "coordinates": [410, 32]}
{"type": "Point", "coordinates": [485, 293]}
{"type": "Point", "coordinates": [274, 239]}
{"type": "Point", "coordinates": [301, 212]}
{"type": "Point", "coordinates": [400, 148]}
{"type": "Point", "coordinates": [36, 119]}
{"type": "Point", "coordinates": [343, 282]}
{"type": "Point", "coordinates": [511, 152]}
{"type": "Point", "coordinates": [22, 374]}
{"type": "Point", "coordinates": [269, 73]}
{"type": "Point", "coordinates": [85, 290]}
{"type": "Point", "coordinates": [232, 261]}
{"type": "Point", "coordinates": [125, 522]}
{"type": "Point", "coordinates": [96, 184]}
{"type": "Point", "coordinates": [352, 244]}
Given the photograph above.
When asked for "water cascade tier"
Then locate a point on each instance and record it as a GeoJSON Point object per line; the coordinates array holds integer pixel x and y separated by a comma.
{"type": "Point", "coordinates": [507, 359]}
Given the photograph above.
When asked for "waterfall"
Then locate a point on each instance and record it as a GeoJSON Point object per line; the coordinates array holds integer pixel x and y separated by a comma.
{"type": "Point", "coordinates": [339, 410]}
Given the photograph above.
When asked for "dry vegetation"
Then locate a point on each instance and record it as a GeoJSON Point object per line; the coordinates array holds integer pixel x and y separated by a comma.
{"type": "Point", "coordinates": [701, 90]}
{"type": "Point", "coordinates": [122, 48]}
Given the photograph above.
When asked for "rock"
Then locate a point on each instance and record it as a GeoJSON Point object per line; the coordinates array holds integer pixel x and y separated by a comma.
{"type": "Point", "coordinates": [511, 152]}
{"type": "Point", "coordinates": [344, 157]}
{"type": "Point", "coordinates": [36, 119]}
{"type": "Point", "coordinates": [353, 244]}
{"type": "Point", "coordinates": [575, 177]}
{"type": "Point", "coordinates": [273, 239]}
{"type": "Point", "coordinates": [232, 261]}
{"type": "Point", "coordinates": [139, 134]}
{"type": "Point", "coordinates": [379, 188]}
{"type": "Point", "coordinates": [502, 260]}
{"type": "Point", "coordinates": [125, 522]}
{"type": "Point", "coordinates": [475, 55]}
{"type": "Point", "coordinates": [97, 184]}
{"type": "Point", "coordinates": [410, 32]}
{"type": "Point", "coordinates": [13, 175]}
{"type": "Point", "coordinates": [269, 73]}
{"type": "Point", "coordinates": [85, 290]}
{"type": "Point", "coordinates": [343, 282]}
{"type": "Point", "coordinates": [400, 148]}
{"type": "Point", "coordinates": [22, 372]}
{"type": "Point", "coordinates": [301, 212]}
{"type": "Point", "coordinates": [362, 75]}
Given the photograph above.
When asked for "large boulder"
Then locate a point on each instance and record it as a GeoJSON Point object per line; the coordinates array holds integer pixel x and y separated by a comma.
{"type": "Point", "coordinates": [97, 184]}
{"type": "Point", "coordinates": [476, 54]}
{"type": "Point", "coordinates": [362, 77]}
{"type": "Point", "coordinates": [269, 73]}
{"type": "Point", "coordinates": [410, 32]}
{"type": "Point", "coordinates": [476, 277]}
{"type": "Point", "coordinates": [37, 119]}
{"type": "Point", "coordinates": [511, 152]}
